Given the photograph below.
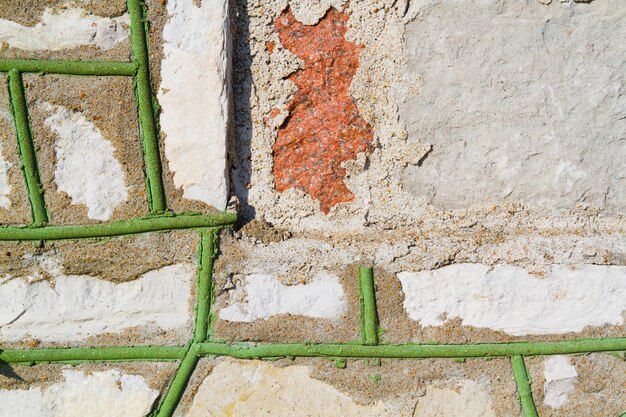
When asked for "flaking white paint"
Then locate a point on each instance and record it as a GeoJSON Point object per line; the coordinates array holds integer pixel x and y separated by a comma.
{"type": "Point", "coordinates": [510, 299]}
{"type": "Point", "coordinates": [194, 98]}
{"type": "Point", "coordinates": [75, 307]}
{"type": "Point", "coordinates": [560, 376]}
{"type": "Point", "coordinates": [110, 393]}
{"type": "Point", "coordinates": [86, 168]}
{"type": "Point", "coordinates": [323, 297]}
{"type": "Point", "coordinates": [65, 28]}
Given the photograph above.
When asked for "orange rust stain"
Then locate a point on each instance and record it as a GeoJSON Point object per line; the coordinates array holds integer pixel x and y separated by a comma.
{"type": "Point", "coordinates": [270, 47]}
{"type": "Point", "coordinates": [324, 127]}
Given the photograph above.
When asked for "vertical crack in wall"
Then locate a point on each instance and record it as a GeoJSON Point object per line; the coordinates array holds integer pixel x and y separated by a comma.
{"type": "Point", "coordinates": [324, 127]}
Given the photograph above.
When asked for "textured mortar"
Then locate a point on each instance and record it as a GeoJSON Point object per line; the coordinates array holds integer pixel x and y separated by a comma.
{"type": "Point", "coordinates": [108, 103]}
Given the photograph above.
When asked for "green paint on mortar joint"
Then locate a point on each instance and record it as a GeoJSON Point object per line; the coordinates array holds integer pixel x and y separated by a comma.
{"type": "Point", "coordinates": [145, 103]}
{"type": "Point", "coordinates": [523, 386]}
{"type": "Point", "coordinates": [69, 67]}
{"type": "Point", "coordinates": [206, 253]}
{"type": "Point", "coordinates": [97, 354]}
{"type": "Point", "coordinates": [177, 387]}
{"type": "Point", "coordinates": [369, 315]}
{"type": "Point", "coordinates": [26, 147]}
{"type": "Point", "coordinates": [408, 351]}
{"type": "Point", "coordinates": [159, 223]}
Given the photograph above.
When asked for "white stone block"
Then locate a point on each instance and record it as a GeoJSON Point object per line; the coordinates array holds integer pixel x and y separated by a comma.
{"type": "Point", "coordinates": [194, 98]}
{"type": "Point", "coordinates": [99, 394]}
{"type": "Point", "coordinates": [77, 307]}
{"type": "Point", "coordinates": [509, 299]}
{"type": "Point", "coordinates": [322, 297]}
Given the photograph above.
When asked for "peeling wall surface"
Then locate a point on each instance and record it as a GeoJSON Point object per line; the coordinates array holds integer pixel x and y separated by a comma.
{"type": "Point", "coordinates": [312, 208]}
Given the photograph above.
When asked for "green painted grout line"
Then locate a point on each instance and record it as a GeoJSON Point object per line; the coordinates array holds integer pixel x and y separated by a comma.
{"type": "Point", "coordinates": [523, 387]}
{"type": "Point", "coordinates": [96, 354]}
{"type": "Point", "coordinates": [124, 227]}
{"type": "Point", "coordinates": [101, 68]}
{"type": "Point", "coordinates": [26, 147]}
{"type": "Point", "coordinates": [369, 316]}
{"type": "Point", "coordinates": [179, 383]}
{"type": "Point", "coordinates": [248, 351]}
{"type": "Point", "coordinates": [147, 118]}
{"type": "Point", "coordinates": [207, 252]}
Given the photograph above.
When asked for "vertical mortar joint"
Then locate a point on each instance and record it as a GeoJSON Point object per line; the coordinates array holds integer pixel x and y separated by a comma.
{"type": "Point", "coordinates": [369, 314]}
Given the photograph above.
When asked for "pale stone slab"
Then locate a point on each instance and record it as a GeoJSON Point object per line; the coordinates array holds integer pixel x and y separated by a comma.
{"type": "Point", "coordinates": [65, 28]}
{"type": "Point", "coordinates": [194, 97]}
{"type": "Point", "coordinates": [520, 101]}
{"type": "Point", "coordinates": [510, 299]}
{"type": "Point", "coordinates": [78, 307]}
{"type": "Point", "coordinates": [253, 388]}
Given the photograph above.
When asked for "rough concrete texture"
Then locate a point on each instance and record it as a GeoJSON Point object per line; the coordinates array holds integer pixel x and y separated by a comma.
{"type": "Point", "coordinates": [389, 225]}
{"type": "Point", "coordinates": [129, 290]}
{"type": "Point", "coordinates": [472, 143]}
{"type": "Point", "coordinates": [581, 385]}
{"type": "Point", "coordinates": [88, 389]}
{"type": "Point", "coordinates": [519, 101]}
{"type": "Point", "coordinates": [318, 388]}
{"type": "Point", "coordinates": [194, 96]}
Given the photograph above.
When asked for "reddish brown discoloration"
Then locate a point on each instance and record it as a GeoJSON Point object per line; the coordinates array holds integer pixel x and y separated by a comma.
{"type": "Point", "coordinates": [324, 127]}
{"type": "Point", "coordinates": [270, 47]}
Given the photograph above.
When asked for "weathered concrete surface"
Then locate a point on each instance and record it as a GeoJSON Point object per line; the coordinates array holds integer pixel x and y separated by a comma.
{"type": "Point", "coordinates": [194, 97]}
{"type": "Point", "coordinates": [86, 168]}
{"type": "Point", "coordinates": [508, 298]}
{"type": "Point", "coordinates": [520, 101]}
{"type": "Point", "coordinates": [73, 308]}
{"type": "Point", "coordinates": [97, 394]}
{"type": "Point", "coordinates": [322, 297]}
{"type": "Point", "coordinates": [65, 28]}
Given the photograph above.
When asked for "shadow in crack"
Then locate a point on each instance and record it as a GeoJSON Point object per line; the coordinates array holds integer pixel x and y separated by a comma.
{"type": "Point", "coordinates": [7, 371]}
{"type": "Point", "coordinates": [241, 127]}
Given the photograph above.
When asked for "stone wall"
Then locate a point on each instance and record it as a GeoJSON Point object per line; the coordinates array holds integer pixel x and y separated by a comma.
{"type": "Point", "coordinates": [298, 207]}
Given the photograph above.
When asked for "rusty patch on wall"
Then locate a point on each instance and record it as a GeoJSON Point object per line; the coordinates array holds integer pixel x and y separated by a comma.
{"type": "Point", "coordinates": [324, 127]}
